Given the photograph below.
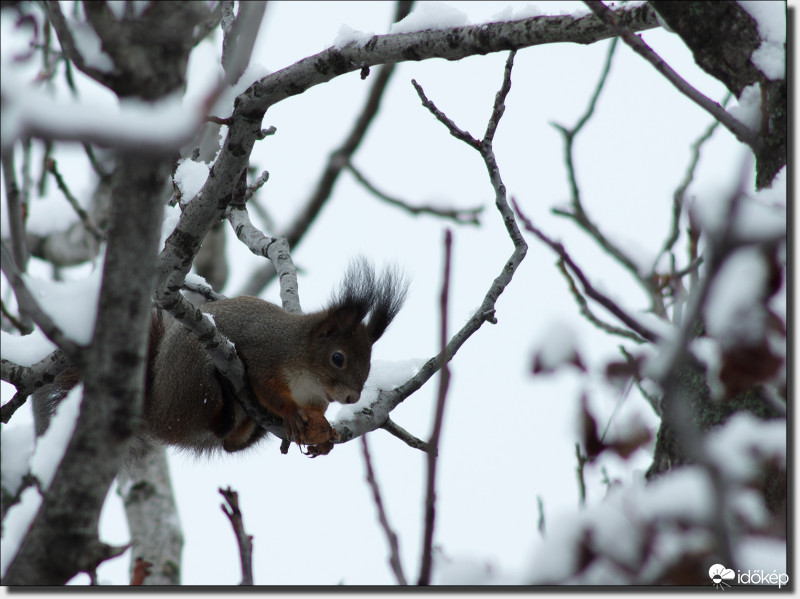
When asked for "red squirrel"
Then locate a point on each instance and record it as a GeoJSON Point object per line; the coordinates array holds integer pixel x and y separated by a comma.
{"type": "Point", "coordinates": [295, 365]}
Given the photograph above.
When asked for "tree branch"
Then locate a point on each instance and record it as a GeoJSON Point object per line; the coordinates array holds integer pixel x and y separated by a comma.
{"type": "Point", "coordinates": [243, 540]}
{"type": "Point", "coordinates": [377, 413]}
{"type": "Point", "coordinates": [31, 308]}
{"type": "Point", "coordinates": [465, 216]}
{"type": "Point", "coordinates": [391, 536]}
{"type": "Point", "coordinates": [742, 133]}
{"type": "Point", "coordinates": [433, 451]}
{"type": "Point", "coordinates": [602, 299]}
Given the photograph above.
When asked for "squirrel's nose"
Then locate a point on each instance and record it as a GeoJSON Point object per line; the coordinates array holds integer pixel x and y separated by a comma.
{"type": "Point", "coordinates": [352, 397]}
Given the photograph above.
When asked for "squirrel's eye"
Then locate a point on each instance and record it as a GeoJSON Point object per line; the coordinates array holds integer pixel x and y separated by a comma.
{"type": "Point", "coordinates": [338, 359]}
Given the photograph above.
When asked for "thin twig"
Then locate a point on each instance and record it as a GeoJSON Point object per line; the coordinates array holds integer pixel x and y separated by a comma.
{"type": "Point", "coordinates": [679, 196]}
{"type": "Point", "coordinates": [16, 211]}
{"type": "Point", "coordinates": [588, 288]}
{"type": "Point", "coordinates": [85, 217]}
{"type": "Point", "coordinates": [244, 541]}
{"type": "Point", "coordinates": [389, 399]}
{"type": "Point", "coordinates": [391, 536]}
{"type": "Point", "coordinates": [742, 132]}
{"type": "Point", "coordinates": [96, 166]}
{"type": "Point", "coordinates": [578, 213]}
{"type": "Point", "coordinates": [454, 130]}
{"type": "Point", "coordinates": [398, 431]}
{"type": "Point", "coordinates": [257, 184]}
{"type": "Point", "coordinates": [26, 328]}
{"type": "Point", "coordinates": [465, 216]}
{"type": "Point", "coordinates": [30, 307]}
{"type": "Point", "coordinates": [323, 189]}
{"type": "Point", "coordinates": [444, 382]}
{"type": "Point", "coordinates": [582, 459]}
{"type": "Point", "coordinates": [541, 524]}
{"type": "Point", "coordinates": [274, 248]}
{"type": "Point", "coordinates": [587, 312]}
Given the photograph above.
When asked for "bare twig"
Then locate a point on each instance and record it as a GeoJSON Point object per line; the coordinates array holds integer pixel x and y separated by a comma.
{"type": "Point", "coordinates": [96, 166]}
{"type": "Point", "coordinates": [23, 325]}
{"type": "Point", "coordinates": [295, 232]}
{"type": "Point", "coordinates": [742, 133]}
{"type": "Point", "coordinates": [593, 293]}
{"type": "Point", "coordinates": [582, 459]}
{"type": "Point", "coordinates": [239, 36]}
{"type": "Point", "coordinates": [376, 413]}
{"type": "Point", "coordinates": [578, 213]}
{"type": "Point", "coordinates": [85, 217]}
{"type": "Point", "coordinates": [454, 130]}
{"type": "Point", "coordinates": [587, 312]}
{"type": "Point", "coordinates": [392, 427]}
{"type": "Point", "coordinates": [274, 248]}
{"type": "Point", "coordinates": [541, 524]}
{"type": "Point", "coordinates": [257, 184]}
{"type": "Point", "coordinates": [30, 307]}
{"type": "Point", "coordinates": [444, 382]}
{"type": "Point", "coordinates": [465, 216]}
{"type": "Point", "coordinates": [391, 536]}
{"type": "Point", "coordinates": [16, 211]}
{"type": "Point", "coordinates": [244, 540]}
{"type": "Point", "coordinates": [679, 196]}
{"type": "Point", "coordinates": [141, 570]}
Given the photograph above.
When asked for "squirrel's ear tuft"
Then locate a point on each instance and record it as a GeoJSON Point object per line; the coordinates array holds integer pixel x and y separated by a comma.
{"type": "Point", "coordinates": [363, 293]}
{"type": "Point", "coordinates": [390, 294]}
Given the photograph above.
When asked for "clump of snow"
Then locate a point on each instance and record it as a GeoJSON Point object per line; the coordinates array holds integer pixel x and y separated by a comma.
{"type": "Point", "coordinates": [744, 443]}
{"type": "Point", "coordinates": [763, 555]}
{"type": "Point", "coordinates": [748, 110]}
{"type": "Point", "coordinates": [348, 35]}
{"type": "Point", "coordinates": [172, 214]}
{"type": "Point", "coordinates": [383, 375]}
{"type": "Point", "coordinates": [430, 15]}
{"type": "Point", "coordinates": [557, 347]}
{"type": "Point", "coordinates": [708, 351]}
{"type": "Point", "coordinates": [51, 446]}
{"type": "Point", "coordinates": [734, 313]}
{"type": "Point", "coordinates": [25, 350]}
{"type": "Point", "coordinates": [770, 56]}
{"type": "Point", "coordinates": [770, 17]}
{"type": "Point", "coordinates": [16, 524]}
{"type": "Point", "coordinates": [513, 13]}
{"type": "Point", "coordinates": [467, 571]}
{"type": "Point", "coordinates": [16, 449]}
{"type": "Point", "coordinates": [387, 374]}
{"type": "Point", "coordinates": [224, 105]}
{"type": "Point", "coordinates": [616, 531]}
{"type": "Point", "coordinates": [89, 46]}
{"type": "Point", "coordinates": [757, 219]}
{"type": "Point", "coordinates": [770, 59]}
{"type": "Point", "coordinates": [189, 177]}
{"type": "Point", "coordinates": [71, 304]}
{"type": "Point", "coordinates": [165, 122]}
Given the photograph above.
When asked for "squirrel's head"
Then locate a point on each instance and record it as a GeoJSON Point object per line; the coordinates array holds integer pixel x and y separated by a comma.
{"type": "Point", "coordinates": [356, 317]}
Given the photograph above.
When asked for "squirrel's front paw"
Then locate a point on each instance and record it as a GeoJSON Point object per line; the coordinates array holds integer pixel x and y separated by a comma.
{"type": "Point", "coordinates": [309, 427]}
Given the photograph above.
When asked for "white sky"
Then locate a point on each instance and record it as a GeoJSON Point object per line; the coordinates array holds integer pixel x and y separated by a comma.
{"type": "Point", "coordinates": [508, 437]}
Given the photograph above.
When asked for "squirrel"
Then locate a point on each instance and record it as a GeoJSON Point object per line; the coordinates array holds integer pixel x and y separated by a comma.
{"type": "Point", "coordinates": [295, 366]}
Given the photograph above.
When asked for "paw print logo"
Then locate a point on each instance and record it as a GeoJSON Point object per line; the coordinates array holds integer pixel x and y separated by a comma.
{"type": "Point", "coordinates": [719, 574]}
